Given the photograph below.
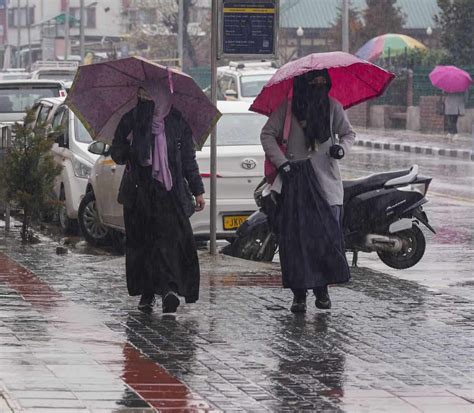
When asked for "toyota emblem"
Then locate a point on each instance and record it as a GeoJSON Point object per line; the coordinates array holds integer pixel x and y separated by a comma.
{"type": "Point", "coordinates": [249, 164]}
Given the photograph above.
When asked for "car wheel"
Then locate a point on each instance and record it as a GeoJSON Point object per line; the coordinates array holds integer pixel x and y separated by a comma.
{"type": "Point", "coordinates": [68, 225]}
{"type": "Point", "coordinates": [93, 230]}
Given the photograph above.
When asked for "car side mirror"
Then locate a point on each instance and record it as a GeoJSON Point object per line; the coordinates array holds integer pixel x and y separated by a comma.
{"type": "Point", "coordinates": [230, 93]}
{"type": "Point", "coordinates": [99, 148]}
{"type": "Point", "coordinates": [59, 139]}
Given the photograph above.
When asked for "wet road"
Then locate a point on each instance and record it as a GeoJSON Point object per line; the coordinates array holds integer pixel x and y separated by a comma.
{"type": "Point", "coordinates": [71, 340]}
{"type": "Point", "coordinates": [448, 261]}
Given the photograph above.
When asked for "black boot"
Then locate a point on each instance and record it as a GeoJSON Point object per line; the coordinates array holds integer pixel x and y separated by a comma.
{"type": "Point", "coordinates": [299, 302]}
{"type": "Point", "coordinates": [323, 301]}
{"type": "Point", "coordinates": [147, 301]}
{"type": "Point", "coordinates": [170, 302]}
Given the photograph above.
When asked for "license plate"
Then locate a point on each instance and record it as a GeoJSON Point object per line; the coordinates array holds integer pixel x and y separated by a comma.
{"type": "Point", "coordinates": [234, 221]}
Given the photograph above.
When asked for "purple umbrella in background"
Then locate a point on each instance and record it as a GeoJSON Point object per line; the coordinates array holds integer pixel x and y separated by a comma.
{"type": "Point", "coordinates": [102, 93]}
{"type": "Point", "coordinates": [450, 79]}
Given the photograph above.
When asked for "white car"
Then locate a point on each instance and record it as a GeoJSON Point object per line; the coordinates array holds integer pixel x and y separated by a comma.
{"type": "Point", "coordinates": [242, 80]}
{"type": "Point", "coordinates": [70, 151]}
{"type": "Point", "coordinates": [239, 170]}
{"type": "Point", "coordinates": [17, 95]}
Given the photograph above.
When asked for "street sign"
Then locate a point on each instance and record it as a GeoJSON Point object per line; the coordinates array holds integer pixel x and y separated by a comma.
{"type": "Point", "coordinates": [248, 28]}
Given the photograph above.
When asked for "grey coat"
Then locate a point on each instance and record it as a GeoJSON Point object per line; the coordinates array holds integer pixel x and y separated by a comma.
{"type": "Point", "coordinates": [325, 167]}
{"type": "Point", "coordinates": [454, 104]}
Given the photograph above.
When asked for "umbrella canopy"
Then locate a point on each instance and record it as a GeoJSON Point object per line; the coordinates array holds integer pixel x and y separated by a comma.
{"type": "Point", "coordinates": [450, 79]}
{"type": "Point", "coordinates": [103, 92]}
{"type": "Point", "coordinates": [353, 80]}
{"type": "Point", "coordinates": [390, 43]}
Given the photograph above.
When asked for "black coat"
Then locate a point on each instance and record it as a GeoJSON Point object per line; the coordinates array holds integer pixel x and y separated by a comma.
{"type": "Point", "coordinates": [184, 169]}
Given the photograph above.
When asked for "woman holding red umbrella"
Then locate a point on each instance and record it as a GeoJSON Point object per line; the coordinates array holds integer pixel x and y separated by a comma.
{"type": "Point", "coordinates": [306, 135]}
{"type": "Point", "coordinates": [312, 151]}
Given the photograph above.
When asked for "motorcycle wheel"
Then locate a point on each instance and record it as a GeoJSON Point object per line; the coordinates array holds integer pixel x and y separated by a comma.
{"type": "Point", "coordinates": [250, 247]}
{"type": "Point", "coordinates": [414, 245]}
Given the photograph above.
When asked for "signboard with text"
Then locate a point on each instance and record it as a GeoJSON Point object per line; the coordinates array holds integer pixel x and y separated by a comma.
{"type": "Point", "coordinates": [248, 28]}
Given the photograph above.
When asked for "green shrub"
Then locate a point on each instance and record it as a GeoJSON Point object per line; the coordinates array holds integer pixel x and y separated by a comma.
{"type": "Point", "coordinates": [28, 173]}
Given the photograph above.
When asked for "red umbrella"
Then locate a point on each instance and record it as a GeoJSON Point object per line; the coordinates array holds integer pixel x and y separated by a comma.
{"type": "Point", "coordinates": [450, 79]}
{"type": "Point", "coordinates": [353, 80]}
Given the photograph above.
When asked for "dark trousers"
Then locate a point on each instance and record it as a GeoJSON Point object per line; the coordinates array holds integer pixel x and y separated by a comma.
{"type": "Point", "coordinates": [452, 124]}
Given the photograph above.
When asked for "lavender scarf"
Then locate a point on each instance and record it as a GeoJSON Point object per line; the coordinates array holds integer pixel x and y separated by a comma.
{"type": "Point", "coordinates": [162, 97]}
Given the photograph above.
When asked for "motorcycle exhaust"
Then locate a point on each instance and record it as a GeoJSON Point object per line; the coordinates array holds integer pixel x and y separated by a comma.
{"type": "Point", "coordinates": [383, 243]}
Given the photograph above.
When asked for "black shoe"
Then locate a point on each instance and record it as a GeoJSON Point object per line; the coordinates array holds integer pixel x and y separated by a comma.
{"type": "Point", "coordinates": [323, 301]}
{"type": "Point", "coordinates": [146, 303]}
{"type": "Point", "coordinates": [299, 304]}
{"type": "Point", "coordinates": [170, 302]}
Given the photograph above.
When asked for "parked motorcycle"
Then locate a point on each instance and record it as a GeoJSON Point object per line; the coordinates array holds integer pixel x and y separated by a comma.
{"type": "Point", "coordinates": [382, 214]}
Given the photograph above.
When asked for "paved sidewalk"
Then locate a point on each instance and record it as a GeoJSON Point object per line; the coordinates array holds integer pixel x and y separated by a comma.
{"type": "Point", "coordinates": [416, 142]}
{"type": "Point", "coordinates": [72, 341]}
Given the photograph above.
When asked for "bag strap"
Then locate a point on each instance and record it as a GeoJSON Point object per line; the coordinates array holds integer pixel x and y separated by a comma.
{"type": "Point", "coordinates": [287, 124]}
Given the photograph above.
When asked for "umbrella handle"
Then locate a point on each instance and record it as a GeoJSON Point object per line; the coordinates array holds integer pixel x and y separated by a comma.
{"type": "Point", "coordinates": [170, 81]}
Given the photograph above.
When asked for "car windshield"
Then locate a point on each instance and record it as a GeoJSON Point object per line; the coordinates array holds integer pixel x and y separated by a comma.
{"type": "Point", "coordinates": [251, 86]}
{"type": "Point", "coordinates": [17, 99]}
{"type": "Point", "coordinates": [81, 132]}
{"type": "Point", "coordinates": [65, 76]}
{"type": "Point", "coordinates": [235, 129]}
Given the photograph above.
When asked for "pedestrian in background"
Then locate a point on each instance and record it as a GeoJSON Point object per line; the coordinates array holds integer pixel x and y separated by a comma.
{"type": "Point", "coordinates": [161, 176]}
{"type": "Point", "coordinates": [310, 206]}
{"type": "Point", "coordinates": [454, 106]}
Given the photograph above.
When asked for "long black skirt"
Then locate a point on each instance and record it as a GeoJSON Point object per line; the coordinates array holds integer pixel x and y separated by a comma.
{"type": "Point", "coordinates": [160, 248]}
{"type": "Point", "coordinates": [312, 252]}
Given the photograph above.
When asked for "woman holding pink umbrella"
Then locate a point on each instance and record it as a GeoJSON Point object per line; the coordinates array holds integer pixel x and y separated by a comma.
{"type": "Point", "coordinates": [306, 135]}
{"type": "Point", "coordinates": [454, 82]}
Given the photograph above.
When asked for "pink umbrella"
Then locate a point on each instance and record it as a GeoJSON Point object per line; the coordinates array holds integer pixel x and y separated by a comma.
{"type": "Point", "coordinates": [450, 79]}
{"type": "Point", "coordinates": [102, 93]}
{"type": "Point", "coordinates": [353, 80]}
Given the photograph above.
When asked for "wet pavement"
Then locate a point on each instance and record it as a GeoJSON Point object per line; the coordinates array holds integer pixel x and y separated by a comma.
{"type": "Point", "coordinates": [447, 264]}
{"type": "Point", "coordinates": [72, 341]}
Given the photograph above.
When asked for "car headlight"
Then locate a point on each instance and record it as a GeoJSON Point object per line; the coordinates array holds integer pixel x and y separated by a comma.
{"type": "Point", "coordinates": [81, 169]}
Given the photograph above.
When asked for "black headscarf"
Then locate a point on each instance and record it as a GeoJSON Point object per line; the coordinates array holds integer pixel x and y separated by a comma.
{"type": "Point", "coordinates": [311, 106]}
{"type": "Point", "coordinates": [142, 139]}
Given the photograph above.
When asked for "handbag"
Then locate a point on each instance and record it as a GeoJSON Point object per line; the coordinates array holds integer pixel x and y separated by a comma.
{"type": "Point", "coordinates": [270, 170]}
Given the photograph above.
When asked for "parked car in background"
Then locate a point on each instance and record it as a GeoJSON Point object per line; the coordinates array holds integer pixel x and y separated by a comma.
{"type": "Point", "coordinates": [54, 70]}
{"type": "Point", "coordinates": [240, 169]}
{"type": "Point", "coordinates": [14, 74]}
{"type": "Point", "coordinates": [70, 150]}
{"type": "Point", "coordinates": [242, 80]}
{"type": "Point", "coordinates": [17, 95]}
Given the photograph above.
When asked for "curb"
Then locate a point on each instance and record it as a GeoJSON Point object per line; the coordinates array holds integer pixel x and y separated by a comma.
{"type": "Point", "coordinates": [425, 150]}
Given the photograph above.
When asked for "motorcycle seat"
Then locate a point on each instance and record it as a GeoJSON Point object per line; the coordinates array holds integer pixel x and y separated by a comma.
{"type": "Point", "coordinates": [354, 187]}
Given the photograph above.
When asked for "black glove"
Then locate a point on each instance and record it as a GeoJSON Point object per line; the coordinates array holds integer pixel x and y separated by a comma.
{"type": "Point", "coordinates": [336, 151]}
{"type": "Point", "coordinates": [285, 168]}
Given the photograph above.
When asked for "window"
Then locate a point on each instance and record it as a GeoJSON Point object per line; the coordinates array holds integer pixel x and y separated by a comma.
{"type": "Point", "coordinates": [17, 99]}
{"type": "Point", "coordinates": [81, 134]}
{"type": "Point", "coordinates": [235, 129]}
{"type": "Point", "coordinates": [89, 16]}
{"type": "Point", "coordinates": [13, 16]}
{"type": "Point", "coordinates": [251, 86]}
{"type": "Point", "coordinates": [43, 114]}
{"type": "Point", "coordinates": [57, 119]}
{"type": "Point", "coordinates": [226, 83]}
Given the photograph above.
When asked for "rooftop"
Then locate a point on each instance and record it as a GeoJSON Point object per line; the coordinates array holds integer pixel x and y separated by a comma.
{"type": "Point", "coordinates": [323, 13]}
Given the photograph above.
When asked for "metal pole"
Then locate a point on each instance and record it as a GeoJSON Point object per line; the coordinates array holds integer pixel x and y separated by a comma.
{"type": "Point", "coordinates": [345, 26]}
{"type": "Point", "coordinates": [28, 25]}
{"type": "Point", "coordinates": [213, 212]}
{"type": "Point", "coordinates": [180, 33]}
{"type": "Point", "coordinates": [66, 31]}
{"type": "Point", "coordinates": [81, 30]}
{"type": "Point", "coordinates": [7, 206]}
{"type": "Point", "coordinates": [18, 26]}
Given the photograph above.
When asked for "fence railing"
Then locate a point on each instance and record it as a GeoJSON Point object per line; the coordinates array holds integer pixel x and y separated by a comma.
{"type": "Point", "coordinates": [5, 145]}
